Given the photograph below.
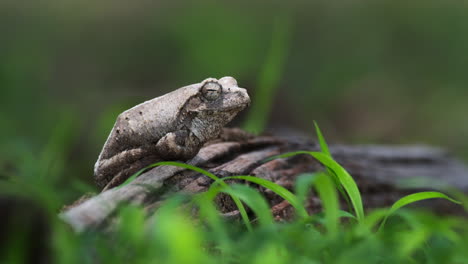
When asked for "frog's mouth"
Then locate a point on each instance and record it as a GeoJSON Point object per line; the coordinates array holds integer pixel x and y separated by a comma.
{"type": "Point", "coordinates": [226, 108]}
{"type": "Point", "coordinates": [236, 107]}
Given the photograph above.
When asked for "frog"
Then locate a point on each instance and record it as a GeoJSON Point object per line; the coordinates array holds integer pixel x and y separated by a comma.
{"type": "Point", "coordinates": [171, 127]}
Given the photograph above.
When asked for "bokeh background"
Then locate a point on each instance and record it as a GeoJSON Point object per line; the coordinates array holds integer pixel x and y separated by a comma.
{"type": "Point", "coordinates": [386, 72]}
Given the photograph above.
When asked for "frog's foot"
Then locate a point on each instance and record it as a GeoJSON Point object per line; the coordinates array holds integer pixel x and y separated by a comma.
{"type": "Point", "coordinates": [180, 145]}
{"type": "Point", "coordinates": [124, 173]}
{"type": "Point", "coordinates": [115, 162]}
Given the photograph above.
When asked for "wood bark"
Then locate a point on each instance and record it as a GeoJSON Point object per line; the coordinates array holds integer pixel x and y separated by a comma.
{"type": "Point", "coordinates": [383, 174]}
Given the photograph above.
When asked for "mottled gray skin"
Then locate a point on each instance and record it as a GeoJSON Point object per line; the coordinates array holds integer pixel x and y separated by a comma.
{"type": "Point", "coordinates": [170, 127]}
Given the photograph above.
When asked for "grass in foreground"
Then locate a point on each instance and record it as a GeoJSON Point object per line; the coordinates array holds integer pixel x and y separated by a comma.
{"type": "Point", "coordinates": [173, 235]}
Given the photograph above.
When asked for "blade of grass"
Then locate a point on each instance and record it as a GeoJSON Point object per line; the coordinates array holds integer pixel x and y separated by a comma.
{"type": "Point", "coordinates": [238, 203]}
{"type": "Point", "coordinates": [460, 196]}
{"type": "Point", "coordinates": [327, 195]}
{"type": "Point", "coordinates": [366, 227]}
{"type": "Point", "coordinates": [179, 232]}
{"type": "Point", "coordinates": [319, 217]}
{"type": "Point", "coordinates": [254, 200]}
{"type": "Point", "coordinates": [278, 189]}
{"type": "Point", "coordinates": [345, 179]}
{"type": "Point", "coordinates": [415, 197]}
{"type": "Point", "coordinates": [302, 185]}
{"type": "Point", "coordinates": [130, 224]}
{"type": "Point", "coordinates": [329, 198]}
{"type": "Point", "coordinates": [270, 74]}
{"type": "Point", "coordinates": [323, 144]}
{"type": "Point", "coordinates": [211, 215]}
{"type": "Point", "coordinates": [412, 240]}
{"type": "Point", "coordinates": [324, 148]}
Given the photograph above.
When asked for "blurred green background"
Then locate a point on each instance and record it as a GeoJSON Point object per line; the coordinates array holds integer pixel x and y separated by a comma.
{"type": "Point", "coordinates": [386, 71]}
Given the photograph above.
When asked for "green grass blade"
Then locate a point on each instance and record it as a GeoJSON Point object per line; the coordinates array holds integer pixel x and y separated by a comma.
{"type": "Point", "coordinates": [415, 197]}
{"type": "Point", "coordinates": [460, 196]}
{"type": "Point", "coordinates": [324, 148]}
{"type": "Point", "coordinates": [278, 189]}
{"type": "Point", "coordinates": [344, 178]}
{"type": "Point", "coordinates": [327, 193]}
{"type": "Point", "coordinates": [179, 232]}
{"type": "Point", "coordinates": [209, 212]}
{"type": "Point", "coordinates": [411, 241]}
{"type": "Point", "coordinates": [302, 186]}
{"type": "Point", "coordinates": [185, 166]}
{"type": "Point", "coordinates": [254, 200]}
{"type": "Point", "coordinates": [131, 218]}
{"type": "Point", "coordinates": [321, 140]}
{"type": "Point", "coordinates": [270, 74]}
{"type": "Point", "coordinates": [320, 217]}
{"type": "Point", "coordinates": [238, 203]}
{"type": "Point", "coordinates": [169, 163]}
{"type": "Point", "coordinates": [346, 214]}
{"type": "Point", "coordinates": [132, 178]}
{"type": "Point", "coordinates": [287, 155]}
{"type": "Point", "coordinates": [369, 224]}
{"type": "Point", "coordinates": [346, 181]}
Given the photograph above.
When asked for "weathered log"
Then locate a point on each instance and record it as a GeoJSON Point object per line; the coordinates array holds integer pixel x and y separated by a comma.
{"type": "Point", "coordinates": [383, 174]}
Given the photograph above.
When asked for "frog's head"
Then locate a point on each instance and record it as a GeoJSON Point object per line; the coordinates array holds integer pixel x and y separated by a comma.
{"type": "Point", "coordinates": [223, 95]}
{"type": "Point", "coordinates": [217, 102]}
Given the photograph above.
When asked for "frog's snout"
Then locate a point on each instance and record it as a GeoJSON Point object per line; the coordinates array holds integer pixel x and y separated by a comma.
{"type": "Point", "coordinates": [241, 96]}
{"type": "Point", "coordinates": [244, 96]}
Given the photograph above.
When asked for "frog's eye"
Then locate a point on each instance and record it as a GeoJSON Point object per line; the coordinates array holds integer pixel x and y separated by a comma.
{"type": "Point", "coordinates": [211, 90]}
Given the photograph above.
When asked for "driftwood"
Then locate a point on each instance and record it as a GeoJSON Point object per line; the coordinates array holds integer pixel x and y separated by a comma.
{"type": "Point", "coordinates": [383, 174]}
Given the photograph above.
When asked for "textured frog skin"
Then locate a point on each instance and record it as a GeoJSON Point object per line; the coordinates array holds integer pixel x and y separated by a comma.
{"type": "Point", "coordinates": [170, 127]}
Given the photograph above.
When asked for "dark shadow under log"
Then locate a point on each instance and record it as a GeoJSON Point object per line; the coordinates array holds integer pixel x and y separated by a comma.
{"type": "Point", "coordinates": [383, 174]}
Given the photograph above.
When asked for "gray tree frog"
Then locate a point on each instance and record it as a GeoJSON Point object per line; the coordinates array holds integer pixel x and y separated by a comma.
{"type": "Point", "coordinates": [170, 127]}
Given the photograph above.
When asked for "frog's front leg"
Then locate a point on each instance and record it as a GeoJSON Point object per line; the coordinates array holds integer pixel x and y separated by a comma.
{"type": "Point", "coordinates": [106, 169]}
{"type": "Point", "coordinates": [125, 172]}
{"type": "Point", "coordinates": [178, 145]}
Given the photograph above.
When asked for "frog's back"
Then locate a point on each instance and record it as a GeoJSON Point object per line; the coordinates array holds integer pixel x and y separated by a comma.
{"type": "Point", "coordinates": [144, 124]}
